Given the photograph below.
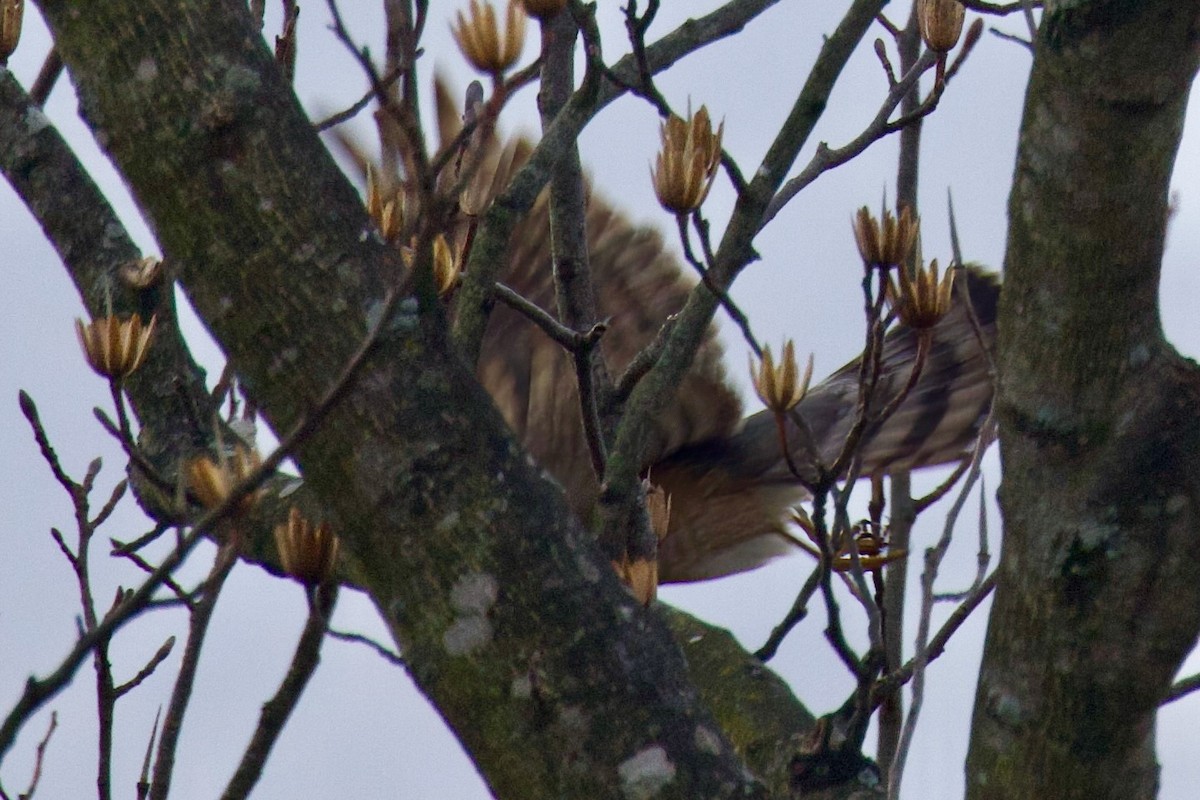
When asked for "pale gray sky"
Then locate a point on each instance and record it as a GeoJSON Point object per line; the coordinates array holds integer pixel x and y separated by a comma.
{"type": "Point", "coordinates": [362, 730]}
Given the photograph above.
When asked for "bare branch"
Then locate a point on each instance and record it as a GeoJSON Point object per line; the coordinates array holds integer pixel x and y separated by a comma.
{"type": "Point", "coordinates": [351, 111]}
{"type": "Point", "coordinates": [795, 616]}
{"type": "Point", "coordinates": [164, 761]}
{"type": "Point", "coordinates": [159, 656]}
{"type": "Point", "coordinates": [47, 76]}
{"type": "Point", "coordinates": [275, 712]}
{"type": "Point", "coordinates": [483, 267]}
{"type": "Point", "coordinates": [937, 644]}
{"type": "Point", "coordinates": [933, 559]}
{"type": "Point", "coordinates": [143, 784]}
{"type": "Point", "coordinates": [29, 409]}
{"type": "Point", "coordinates": [384, 652]}
{"type": "Point", "coordinates": [570, 341]}
{"type": "Point", "coordinates": [1012, 37]}
{"type": "Point", "coordinates": [39, 758]}
{"type": "Point", "coordinates": [574, 289]}
{"type": "Point", "coordinates": [827, 158]}
{"type": "Point", "coordinates": [1182, 689]}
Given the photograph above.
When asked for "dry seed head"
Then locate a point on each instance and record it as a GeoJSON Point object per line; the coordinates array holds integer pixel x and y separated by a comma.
{"type": "Point", "coordinates": [543, 9]}
{"type": "Point", "coordinates": [780, 387]}
{"type": "Point", "coordinates": [641, 577]}
{"type": "Point", "coordinates": [866, 236]}
{"type": "Point", "coordinates": [898, 236]}
{"type": "Point", "coordinates": [475, 197]}
{"type": "Point", "coordinates": [888, 244]}
{"type": "Point", "coordinates": [115, 348]}
{"type": "Point", "coordinates": [211, 482]}
{"type": "Point", "coordinates": [374, 201]}
{"type": "Point", "coordinates": [446, 265]}
{"type": "Point", "coordinates": [921, 299]}
{"type": "Point", "coordinates": [658, 506]}
{"type": "Point", "coordinates": [141, 273]}
{"type": "Point", "coordinates": [687, 164]}
{"type": "Point", "coordinates": [307, 553]}
{"type": "Point", "coordinates": [478, 37]}
{"type": "Point", "coordinates": [391, 219]}
{"type": "Point", "coordinates": [387, 212]}
{"type": "Point", "coordinates": [801, 518]}
{"type": "Point", "coordinates": [11, 12]}
{"type": "Point", "coordinates": [941, 23]}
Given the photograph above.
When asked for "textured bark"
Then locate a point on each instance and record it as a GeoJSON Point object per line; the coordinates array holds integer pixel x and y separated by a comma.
{"type": "Point", "coordinates": [1099, 593]}
{"type": "Point", "coordinates": [555, 680]}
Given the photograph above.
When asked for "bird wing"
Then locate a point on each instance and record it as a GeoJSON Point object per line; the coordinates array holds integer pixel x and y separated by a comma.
{"type": "Point", "coordinates": [731, 489]}
{"type": "Point", "coordinates": [731, 496]}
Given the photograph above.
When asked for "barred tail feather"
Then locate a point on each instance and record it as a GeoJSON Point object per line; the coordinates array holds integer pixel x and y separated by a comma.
{"type": "Point", "coordinates": [731, 496]}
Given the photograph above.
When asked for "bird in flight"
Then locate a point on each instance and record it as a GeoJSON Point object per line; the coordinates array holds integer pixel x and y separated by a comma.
{"type": "Point", "coordinates": [731, 488]}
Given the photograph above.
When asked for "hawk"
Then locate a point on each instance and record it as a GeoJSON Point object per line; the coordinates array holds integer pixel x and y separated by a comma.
{"type": "Point", "coordinates": [731, 489]}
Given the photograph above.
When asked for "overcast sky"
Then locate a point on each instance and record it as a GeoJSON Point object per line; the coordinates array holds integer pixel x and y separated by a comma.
{"type": "Point", "coordinates": [362, 730]}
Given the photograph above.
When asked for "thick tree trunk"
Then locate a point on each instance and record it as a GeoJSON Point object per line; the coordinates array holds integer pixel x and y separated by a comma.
{"type": "Point", "coordinates": [1099, 594]}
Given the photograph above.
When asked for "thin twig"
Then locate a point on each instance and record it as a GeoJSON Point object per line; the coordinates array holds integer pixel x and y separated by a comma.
{"type": "Point", "coordinates": [795, 615]}
{"type": "Point", "coordinates": [1011, 37]}
{"type": "Point", "coordinates": [145, 672]}
{"type": "Point", "coordinates": [39, 758]}
{"type": "Point", "coordinates": [940, 491]}
{"type": "Point", "coordinates": [937, 644]}
{"type": "Point", "coordinates": [114, 497]}
{"type": "Point", "coordinates": [29, 409]}
{"type": "Point", "coordinates": [969, 40]}
{"type": "Point", "coordinates": [80, 494]}
{"type": "Point", "coordinates": [384, 652]}
{"type": "Point", "coordinates": [574, 290]}
{"type": "Point", "coordinates": [452, 150]}
{"type": "Point", "coordinates": [964, 294]}
{"type": "Point", "coordinates": [924, 339]}
{"type": "Point", "coordinates": [164, 760]}
{"type": "Point", "coordinates": [1030, 22]}
{"type": "Point", "coordinates": [983, 557]}
{"type": "Point", "coordinates": [143, 784]}
{"type": "Point", "coordinates": [129, 446]}
{"type": "Point", "coordinates": [833, 623]}
{"type": "Point", "coordinates": [870, 368]}
{"type": "Point", "coordinates": [891, 28]}
{"type": "Point", "coordinates": [145, 566]}
{"type": "Point", "coordinates": [736, 314]}
{"type": "Point", "coordinates": [642, 363]}
{"type": "Point", "coordinates": [378, 89]}
{"type": "Point", "coordinates": [826, 158]}
{"type": "Point", "coordinates": [275, 712]}
{"type": "Point", "coordinates": [568, 339]}
{"type": "Point", "coordinates": [349, 113]}
{"type": "Point", "coordinates": [474, 301]}
{"type": "Point", "coordinates": [933, 559]}
{"type": "Point", "coordinates": [47, 76]}
{"type": "Point", "coordinates": [1182, 689]}
{"type": "Point", "coordinates": [37, 692]}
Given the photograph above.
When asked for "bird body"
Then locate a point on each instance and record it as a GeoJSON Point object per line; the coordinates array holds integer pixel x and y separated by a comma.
{"type": "Point", "coordinates": [731, 487]}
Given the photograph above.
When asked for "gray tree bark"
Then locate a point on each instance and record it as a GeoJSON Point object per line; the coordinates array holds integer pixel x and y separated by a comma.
{"type": "Point", "coordinates": [1099, 594]}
